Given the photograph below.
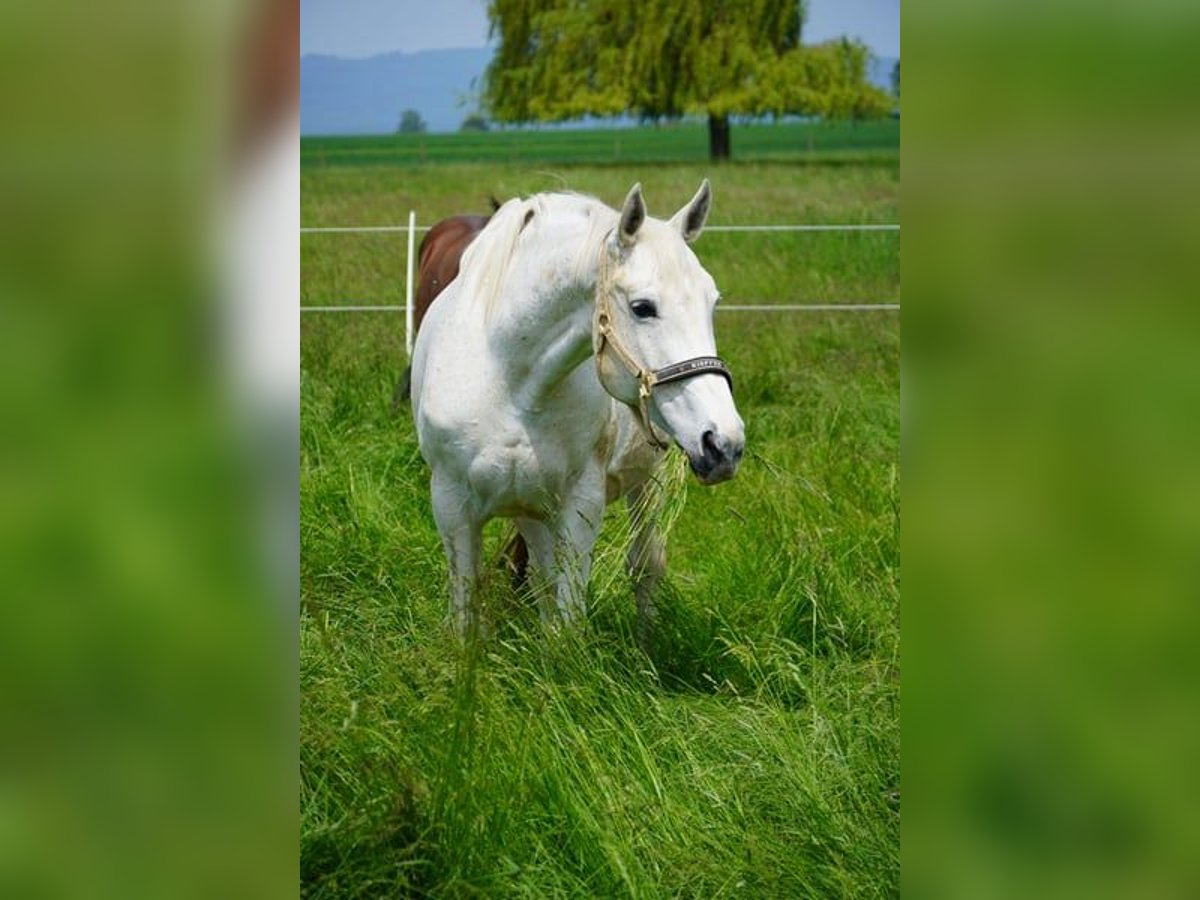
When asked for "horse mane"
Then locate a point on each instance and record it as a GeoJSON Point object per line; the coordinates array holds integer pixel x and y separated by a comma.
{"type": "Point", "coordinates": [487, 260]}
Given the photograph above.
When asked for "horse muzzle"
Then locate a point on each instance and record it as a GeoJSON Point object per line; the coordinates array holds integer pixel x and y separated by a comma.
{"type": "Point", "coordinates": [718, 458]}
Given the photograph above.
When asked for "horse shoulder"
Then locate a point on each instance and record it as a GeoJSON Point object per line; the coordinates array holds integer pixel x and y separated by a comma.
{"type": "Point", "coordinates": [436, 364]}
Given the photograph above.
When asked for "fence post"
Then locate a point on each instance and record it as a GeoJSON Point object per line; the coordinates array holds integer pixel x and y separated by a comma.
{"type": "Point", "coordinates": [408, 292]}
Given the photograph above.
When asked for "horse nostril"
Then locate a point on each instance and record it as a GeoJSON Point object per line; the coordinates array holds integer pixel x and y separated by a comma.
{"type": "Point", "coordinates": [713, 450]}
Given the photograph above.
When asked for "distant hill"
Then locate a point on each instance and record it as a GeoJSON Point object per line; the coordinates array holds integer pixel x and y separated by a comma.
{"type": "Point", "coordinates": [367, 96]}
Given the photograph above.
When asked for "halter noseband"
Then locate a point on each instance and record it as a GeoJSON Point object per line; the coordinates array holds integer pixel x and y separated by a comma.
{"type": "Point", "coordinates": [604, 338]}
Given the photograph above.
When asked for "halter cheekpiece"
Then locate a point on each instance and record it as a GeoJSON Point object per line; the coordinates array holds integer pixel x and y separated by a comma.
{"type": "Point", "coordinates": [604, 339]}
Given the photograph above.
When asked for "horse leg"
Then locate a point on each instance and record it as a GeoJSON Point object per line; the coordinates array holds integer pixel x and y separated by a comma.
{"type": "Point", "coordinates": [647, 559]}
{"type": "Point", "coordinates": [560, 554]}
{"type": "Point", "coordinates": [462, 537]}
{"type": "Point", "coordinates": [516, 560]}
{"type": "Point", "coordinates": [576, 531]}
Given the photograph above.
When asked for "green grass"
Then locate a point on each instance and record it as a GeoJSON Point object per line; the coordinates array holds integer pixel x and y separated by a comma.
{"type": "Point", "coordinates": [844, 142]}
{"type": "Point", "coordinates": [755, 750]}
{"type": "Point", "coordinates": [818, 267]}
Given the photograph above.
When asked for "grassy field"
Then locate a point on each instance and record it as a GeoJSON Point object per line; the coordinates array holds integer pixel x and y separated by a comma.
{"type": "Point", "coordinates": [755, 750]}
{"type": "Point", "coordinates": [829, 142]}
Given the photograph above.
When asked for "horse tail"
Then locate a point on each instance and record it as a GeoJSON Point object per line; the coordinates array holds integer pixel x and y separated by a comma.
{"type": "Point", "coordinates": [403, 391]}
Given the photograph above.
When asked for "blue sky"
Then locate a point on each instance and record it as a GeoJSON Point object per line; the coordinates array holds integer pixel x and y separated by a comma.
{"type": "Point", "coordinates": [355, 28]}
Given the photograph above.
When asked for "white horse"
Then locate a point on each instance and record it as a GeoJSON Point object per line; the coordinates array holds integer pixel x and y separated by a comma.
{"type": "Point", "coordinates": [517, 421]}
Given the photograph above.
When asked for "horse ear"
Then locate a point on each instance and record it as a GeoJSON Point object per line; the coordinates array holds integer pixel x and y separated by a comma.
{"type": "Point", "coordinates": [690, 220]}
{"type": "Point", "coordinates": [633, 214]}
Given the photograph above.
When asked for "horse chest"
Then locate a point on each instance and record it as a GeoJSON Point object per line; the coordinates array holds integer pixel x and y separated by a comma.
{"type": "Point", "coordinates": [526, 473]}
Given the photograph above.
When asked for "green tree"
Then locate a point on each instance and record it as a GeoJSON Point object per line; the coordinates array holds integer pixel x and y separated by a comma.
{"type": "Point", "coordinates": [410, 123]}
{"type": "Point", "coordinates": [562, 59]}
{"type": "Point", "coordinates": [896, 79]}
{"type": "Point", "coordinates": [474, 122]}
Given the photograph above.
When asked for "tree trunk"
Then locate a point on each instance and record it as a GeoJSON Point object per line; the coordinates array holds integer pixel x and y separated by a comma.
{"type": "Point", "coordinates": [719, 146]}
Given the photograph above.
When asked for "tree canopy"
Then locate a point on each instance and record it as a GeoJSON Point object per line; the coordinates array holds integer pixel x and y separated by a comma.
{"type": "Point", "coordinates": [411, 123]}
{"type": "Point", "coordinates": [474, 122]}
{"type": "Point", "coordinates": [563, 59]}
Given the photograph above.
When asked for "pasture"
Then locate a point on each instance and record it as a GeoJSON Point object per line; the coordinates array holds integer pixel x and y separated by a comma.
{"type": "Point", "coordinates": [755, 750]}
{"type": "Point", "coordinates": [828, 142]}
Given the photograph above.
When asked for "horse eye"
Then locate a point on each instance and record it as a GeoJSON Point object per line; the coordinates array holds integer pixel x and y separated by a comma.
{"type": "Point", "coordinates": [644, 309]}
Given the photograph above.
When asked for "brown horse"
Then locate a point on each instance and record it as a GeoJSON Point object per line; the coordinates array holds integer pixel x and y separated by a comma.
{"type": "Point", "coordinates": [437, 265]}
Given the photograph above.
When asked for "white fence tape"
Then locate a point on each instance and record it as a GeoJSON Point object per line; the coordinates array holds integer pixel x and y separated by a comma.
{"type": "Point", "coordinates": [386, 229]}
{"type": "Point", "coordinates": [724, 307]}
{"type": "Point", "coordinates": [412, 228]}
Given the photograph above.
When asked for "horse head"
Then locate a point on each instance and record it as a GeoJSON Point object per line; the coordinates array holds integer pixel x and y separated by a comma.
{"type": "Point", "coordinates": [653, 335]}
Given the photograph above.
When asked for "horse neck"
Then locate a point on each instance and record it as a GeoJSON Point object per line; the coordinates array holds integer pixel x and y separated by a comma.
{"type": "Point", "coordinates": [542, 330]}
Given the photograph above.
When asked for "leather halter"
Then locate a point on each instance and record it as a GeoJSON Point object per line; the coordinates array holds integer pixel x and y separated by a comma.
{"type": "Point", "coordinates": [604, 339]}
